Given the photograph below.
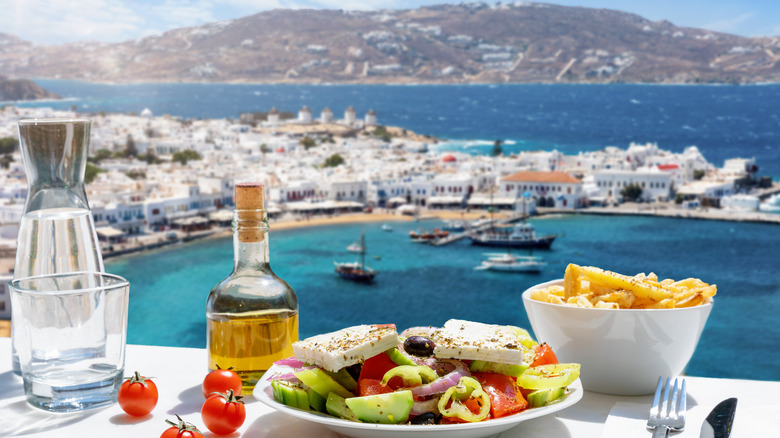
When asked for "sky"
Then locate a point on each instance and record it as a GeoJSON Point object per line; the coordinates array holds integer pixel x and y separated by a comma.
{"type": "Point", "coordinates": [59, 21]}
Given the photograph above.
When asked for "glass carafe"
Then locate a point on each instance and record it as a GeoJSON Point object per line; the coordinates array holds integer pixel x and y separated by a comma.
{"type": "Point", "coordinates": [56, 233]}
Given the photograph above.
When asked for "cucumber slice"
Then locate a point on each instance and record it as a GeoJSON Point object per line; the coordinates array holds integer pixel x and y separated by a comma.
{"type": "Point", "coordinates": [507, 369]}
{"type": "Point", "coordinates": [544, 397]}
{"type": "Point", "coordinates": [316, 401]}
{"type": "Point", "coordinates": [390, 408]}
{"type": "Point", "coordinates": [322, 383]}
{"type": "Point", "coordinates": [337, 406]}
{"type": "Point", "coordinates": [344, 378]}
{"type": "Point", "coordinates": [290, 394]}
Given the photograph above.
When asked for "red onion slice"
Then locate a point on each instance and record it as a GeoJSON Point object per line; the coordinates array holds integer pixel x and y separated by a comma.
{"type": "Point", "coordinates": [421, 407]}
{"type": "Point", "coordinates": [439, 385]}
{"type": "Point", "coordinates": [290, 362]}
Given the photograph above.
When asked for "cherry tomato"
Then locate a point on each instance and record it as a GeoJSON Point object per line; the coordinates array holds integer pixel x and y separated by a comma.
{"type": "Point", "coordinates": [181, 430]}
{"type": "Point", "coordinates": [137, 395]}
{"type": "Point", "coordinates": [221, 380]}
{"type": "Point", "coordinates": [223, 413]}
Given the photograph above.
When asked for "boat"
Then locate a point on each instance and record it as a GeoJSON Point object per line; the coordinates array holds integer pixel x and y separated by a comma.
{"type": "Point", "coordinates": [521, 235]}
{"type": "Point", "coordinates": [429, 235]}
{"type": "Point", "coordinates": [357, 271]}
{"type": "Point", "coordinates": [455, 226]}
{"type": "Point", "coordinates": [511, 263]}
{"type": "Point", "coordinates": [387, 227]}
{"type": "Point", "coordinates": [771, 205]}
{"type": "Point", "coordinates": [356, 247]}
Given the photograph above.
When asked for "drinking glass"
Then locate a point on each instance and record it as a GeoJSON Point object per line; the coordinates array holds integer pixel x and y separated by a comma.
{"type": "Point", "coordinates": [70, 331]}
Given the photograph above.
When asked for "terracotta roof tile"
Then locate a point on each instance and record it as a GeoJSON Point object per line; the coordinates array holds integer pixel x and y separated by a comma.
{"type": "Point", "coordinates": [542, 177]}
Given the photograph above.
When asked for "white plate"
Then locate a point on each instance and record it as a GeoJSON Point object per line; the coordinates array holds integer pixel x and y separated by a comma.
{"type": "Point", "coordinates": [264, 394]}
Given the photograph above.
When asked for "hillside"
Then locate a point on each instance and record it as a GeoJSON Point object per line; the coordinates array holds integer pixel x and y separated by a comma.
{"type": "Point", "coordinates": [477, 42]}
{"type": "Point", "coordinates": [23, 89]}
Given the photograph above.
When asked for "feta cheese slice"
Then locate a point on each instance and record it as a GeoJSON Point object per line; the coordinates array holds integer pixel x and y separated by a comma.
{"type": "Point", "coordinates": [339, 349]}
{"type": "Point", "coordinates": [468, 340]}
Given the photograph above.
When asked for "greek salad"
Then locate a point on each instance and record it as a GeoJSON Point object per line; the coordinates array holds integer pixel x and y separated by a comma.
{"type": "Point", "coordinates": [463, 372]}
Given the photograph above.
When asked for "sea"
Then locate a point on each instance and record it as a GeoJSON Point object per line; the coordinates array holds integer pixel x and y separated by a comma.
{"type": "Point", "coordinates": [424, 285]}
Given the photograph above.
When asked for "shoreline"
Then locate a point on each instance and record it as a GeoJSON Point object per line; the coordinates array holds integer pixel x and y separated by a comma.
{"type": "Point", "coordinates": [655, 210]}
{"type": "Point", "coordinates": [156, 241]}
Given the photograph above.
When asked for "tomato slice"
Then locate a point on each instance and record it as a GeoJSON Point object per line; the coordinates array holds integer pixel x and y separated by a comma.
{"type": "Point", "coordinates": [544, 355]}
{"type": "Point", "coordinates": [505, 397]}
{"type": "Point", "coordinates": [376, 367]}
{"type": "Point", "coordinates": [549, 376]}
{"type": "Point", "coordinates": [372, 387]}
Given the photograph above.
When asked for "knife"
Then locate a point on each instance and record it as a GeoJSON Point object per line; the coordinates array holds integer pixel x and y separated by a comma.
{"type": "Point", "coordinates": [719, 421]}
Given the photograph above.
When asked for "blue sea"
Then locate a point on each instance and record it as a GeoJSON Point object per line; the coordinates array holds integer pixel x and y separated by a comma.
{"type": "Point", "coordinates": [422, 285]}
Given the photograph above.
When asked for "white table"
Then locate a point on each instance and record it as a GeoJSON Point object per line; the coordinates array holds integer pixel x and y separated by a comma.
{"type": "Point", "coordinates": [178, 373]}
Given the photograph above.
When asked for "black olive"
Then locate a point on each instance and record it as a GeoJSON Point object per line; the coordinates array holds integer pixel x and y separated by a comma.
{"type": "Point", "coordinates": [419, 346]}
{"type": "Point", "coordinates": [426, 418]}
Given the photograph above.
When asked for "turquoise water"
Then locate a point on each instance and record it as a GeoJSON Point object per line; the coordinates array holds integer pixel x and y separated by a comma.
{"type": "Point", "coordinates": [424, 285]}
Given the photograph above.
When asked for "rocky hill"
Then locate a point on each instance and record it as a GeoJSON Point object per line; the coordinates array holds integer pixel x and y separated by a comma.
{"type": "Point", "coordinates": [475, 42]}
{"type": "Point", "coordinates": [23, 89]}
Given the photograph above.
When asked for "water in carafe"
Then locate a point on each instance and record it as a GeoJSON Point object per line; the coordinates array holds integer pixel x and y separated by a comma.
{"type": "Point", "coordinates": [57, 232]}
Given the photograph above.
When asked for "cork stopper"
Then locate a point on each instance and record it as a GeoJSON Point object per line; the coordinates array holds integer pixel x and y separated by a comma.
{"type": "Point", "coordinates": [250, 212]}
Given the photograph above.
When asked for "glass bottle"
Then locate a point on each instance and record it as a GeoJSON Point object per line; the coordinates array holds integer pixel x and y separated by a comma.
{"type": "Point", "coordinates": [252, 315]}
{"type": "Point", "coordinates": [56, 233]}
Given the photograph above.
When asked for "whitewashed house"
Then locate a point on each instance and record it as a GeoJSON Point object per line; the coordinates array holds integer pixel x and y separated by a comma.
{"type": "Point", "coordinates": [345, 190]}
{"type": "Point", "coordinates": [548, 189]}
{"type": "Point", "coordinates": [451, 190]}
{"type": "Point", "coordinates": [297, 191]}
{"type": "Point", "coordinates": [655, 184]}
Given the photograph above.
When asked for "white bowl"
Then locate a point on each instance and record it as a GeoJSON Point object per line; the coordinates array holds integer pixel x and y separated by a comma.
{"type": "Point", "coordinates": [622, 351]}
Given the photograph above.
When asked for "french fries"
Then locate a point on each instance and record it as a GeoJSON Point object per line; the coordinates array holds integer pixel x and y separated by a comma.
{"type": "Point", "coordinates": [587, 286]}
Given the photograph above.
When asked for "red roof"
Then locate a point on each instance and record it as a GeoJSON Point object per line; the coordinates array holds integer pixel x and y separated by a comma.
{"type": "Point", "coordinates": [449, 158]}
{"type": "Point", "coordinates": [542, 177]}
{"type": "Point", "coordinates": [668, 166]}
{"type": "Point", "coordinates": [280, 150]}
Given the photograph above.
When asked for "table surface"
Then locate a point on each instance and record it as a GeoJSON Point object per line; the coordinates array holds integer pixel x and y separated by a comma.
{"type": "Point", "coordinates": [178, 373]}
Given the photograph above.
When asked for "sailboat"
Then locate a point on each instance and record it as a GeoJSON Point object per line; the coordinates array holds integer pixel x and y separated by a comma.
{"type": "Point", "coordinates": [357, 271]}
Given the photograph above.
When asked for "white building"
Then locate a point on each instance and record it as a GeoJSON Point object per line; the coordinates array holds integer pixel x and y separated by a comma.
{"type": "Point", "coordinates": [297, 191]}
{"type": "Point", "coordinates": [326, 116]}
{"type": "Point", "coordinates": [370, 118]}
{"type": "Point", "coordinates": [547, 189]}
{"type": "Point", "coordinates": [273, 117]}
{"type": "Point", "coordinates": [707, 192]}
{"type": "Point", "coordinates": [655, 184]}
{"type": "Point", "coordinates": [304, 115]}
{"type": "Point", "coordinates": [459, 185]}
{"type": "Point", "coordinates": [349, 116]}
{"type": "Point", "coordinates": [345, 190]}
{"type": "Point", "coordinates": [420, 191]}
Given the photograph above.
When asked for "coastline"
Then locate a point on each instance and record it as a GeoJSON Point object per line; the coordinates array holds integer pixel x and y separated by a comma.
{"type": "Point", "coordinates": [149, 242]}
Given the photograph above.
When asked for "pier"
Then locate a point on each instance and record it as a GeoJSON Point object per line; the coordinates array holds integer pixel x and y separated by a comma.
{"type": "Point", "coordinates": [454, 237]}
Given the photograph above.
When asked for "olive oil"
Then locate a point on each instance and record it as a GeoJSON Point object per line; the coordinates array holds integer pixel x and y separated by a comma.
{"type": "Point", "coordinates": [252, 314]}
{"type": "Point", "coordinates": [251, 344]}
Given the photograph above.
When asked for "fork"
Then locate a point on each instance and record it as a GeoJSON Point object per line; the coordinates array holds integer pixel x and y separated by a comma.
{"type": "Point", "coordinates": [669, 415]}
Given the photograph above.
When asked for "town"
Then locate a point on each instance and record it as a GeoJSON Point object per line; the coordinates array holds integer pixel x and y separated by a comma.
{"type": "Point", "coordinates": [153, 180]}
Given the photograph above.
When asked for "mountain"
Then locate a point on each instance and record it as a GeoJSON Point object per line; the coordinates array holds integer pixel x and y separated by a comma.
{"type": "Point", "coordinates": [466, 43]}
{"type": "Point", "coordinates": [23, 89]}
